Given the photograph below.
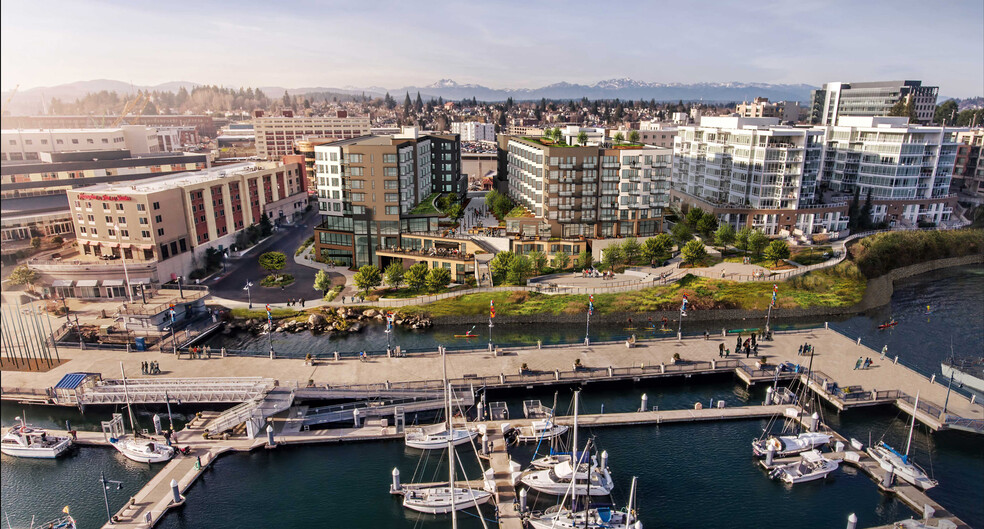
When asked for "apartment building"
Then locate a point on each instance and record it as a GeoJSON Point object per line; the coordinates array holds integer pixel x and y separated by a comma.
{"type": "Point", "coordinates": [28, 144]}
{"type": "Point", "coordinates": [906, 168]}
{"type": "Point", "coordinates": [373, 188]}
{"type": "Point", "coordinates": [871, 100]}
{"type": "Point", "coordinates": [968, 170]}
{"type": "Point", "coordinates": [275, 135]}
{"type": "Point", "coordinates": [473, 130]}
{"type": "Point", "coordinates": [204, 125]}
{"type": "Point", "coordinates": [162, 226]}
{"type": "Point", "coordinates": [572, 192]}
{"type": "Point", "coordinates": [787, 111]}
{"type": "Point", "coordinates": [753, 172]}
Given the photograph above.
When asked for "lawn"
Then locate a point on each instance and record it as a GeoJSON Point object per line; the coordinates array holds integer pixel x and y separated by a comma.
{"type": "Point", "coordinates": [257, 314]}
{"type": "Point", "coordinates": [811, 255]}
{"type": "Point", "coordinates": [841, 286]}
{"type": "Point", "coordinates": [426, 206]}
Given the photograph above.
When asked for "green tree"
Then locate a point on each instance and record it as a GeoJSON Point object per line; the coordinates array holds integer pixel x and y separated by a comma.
{"type": "Point", "coordinates": [272, 261]}
{"type": "Point", "coordinates": [657, 248]}
{"type": "Point", "coordinates": [57, 239]}
{"type": "Point", "coordinates": [619, 138]}
{"type": "Point", "coordinates": [946, 112]}
{"type": "Point", "coordinates": [582, 138]}
{"type": "Point", "coordinates": [693, 217]}
{"type": "Point", "coordinates": [777, 251]}
{"type": "Point", "coordinates": [558, 135]}
{"type": "Point", "coordinates": [854, 212]}
{"type": "Point", "coordinates": [757, 242]}
{"type": "Point", "coordinates": [35, 242]}
{"type": "Point", "coordinates": [741, 238]}
{"type": "Point", "coordinates": [500, 264]}
{"type": "Point", "coordinates": [520, 268]}
{"type": "Point", "coordinates": [394, 274]}
{"type": "Point", "coordinates": [682, 233]}
{"type": "Point", "coordinates": [561, 260]}
{"type": "Point", "coordinates": [322, 282]}
{"type": "Point", "coordinates": [612, 256]}
{"type": "Point", "coordinates": [416, 276]}
{"type": "Point", "coordinates": [634, 136]}
{"type": "Point", "coordinates": [707, 224]}
{"type": "Point", "coordinates": [865, 221]}
{"type": "Point", "coordinates": [23, 275]}
{"type": "Point", "coordinates": [367, 278]}
{"type": "Point", "coordinates": [724, 236]}
{"type": "Point", "coordinates": [585, 259]}
{"type": "Point", "coordinates": [266, 227]}
{"type": "Point", "coordinates": [631, 250]}
{"type": "Point", "coordinates": [538, 260]}
{"type": "Point", "coordinates": [438, 278]}
{"type": "Point", "coordinates": [693, 251]}
{"type": "Point", "coordinates": [455, 212]}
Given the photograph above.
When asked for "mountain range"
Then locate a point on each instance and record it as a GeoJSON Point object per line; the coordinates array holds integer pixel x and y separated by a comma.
{"type": "Point", "coordinates": [29, 100]}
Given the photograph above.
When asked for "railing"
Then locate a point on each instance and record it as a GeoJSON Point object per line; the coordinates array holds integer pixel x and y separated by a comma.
{"type": "Point", "coordinates": [453, 255]}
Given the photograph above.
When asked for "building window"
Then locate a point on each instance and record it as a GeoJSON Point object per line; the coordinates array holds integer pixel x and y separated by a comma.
{"type": "Point", "coordinates": [145, 234]}
{"type": "Point", "coordinates": [143, 220]}
{"type": "Point", "coordinates": [141, 207]}
{"type": "Point", "coordinates": [157, 205]}
{"type": "Point", "coordinates": [160, 232]}
{"type": "Point", "coordinates": [157, 218]}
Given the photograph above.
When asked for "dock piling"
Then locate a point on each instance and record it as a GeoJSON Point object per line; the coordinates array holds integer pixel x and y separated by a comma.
{"type": "Point", "coordinates": [269, 431]}
{"type": "Point", "coordinates": [768, 396]}
{"type": "Point", "coordinates": [645, 403]}
{"type": "Point", "coordinates": [814, 421]}
{"type": "Point", "coordinates": [157, 424]}
{"type": "Point", "coordinates": [395, 487]}
{"type": "Point", "coordinates": [770, 456]}
{"type": "Point", "coordinates": [176, 494]}
{"type": "Point", "coordinates": [928, 512]}
{"type": "Point", "coordinates": [888, 478]}
{"type": "Point", "coordinates": [522, 500]}
{"type": "Point", "coordinates": [852, 521]}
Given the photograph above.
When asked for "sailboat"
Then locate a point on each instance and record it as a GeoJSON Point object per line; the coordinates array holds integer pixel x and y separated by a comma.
{"type": "Point", "coordinates": [543, 426]}
{"type": "Point", "coordinates": [787, 445]}
{"type": "Point", "coordinates": [811, 466]}
{"type": "Point", "coordinates": [24, 440]}
{"type": "Point", "coordinates": [890, 459]}
{"type": "Point", "coordinates": [556, 473]}
{"type": "Point", "coordinates": [445, 499]}
{"type": "Point", "coordinates": [559, 517]}
{"type": "Point", "coordinates": [140, 450]}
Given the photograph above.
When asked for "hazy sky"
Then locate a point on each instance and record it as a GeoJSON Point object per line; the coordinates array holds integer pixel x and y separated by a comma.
{"type": "Point", "coordinates": [497, 44]}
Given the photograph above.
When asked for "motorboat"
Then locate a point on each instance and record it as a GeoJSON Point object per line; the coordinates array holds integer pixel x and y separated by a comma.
{"type": "Point", "coordinates": [890, 460]}
{"type": "Point", "coordinates": [811, 466]}
{"type": "Point", "coordinates": [967, 372]}
{"type": "Point", "coordinates": [539, 430]}
{"type": "Point", "coordinates": [143, 450]}
{"type": "Point", "coordinates": [23, 440]}
{"type": "Point", "coordinates": [587, 479]}
{"type": "Point", "coordinates": [787, 445]}
{"type": "Point", "coordinates": [593, 517]}
{"type": "Point", "coordinates": [437, 500]}
{"type": "Point", "coordinates": [436, 437]}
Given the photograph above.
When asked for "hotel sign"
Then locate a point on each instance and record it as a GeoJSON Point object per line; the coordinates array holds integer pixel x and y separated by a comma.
{"type": "Point", "coordinates": [111, 198]}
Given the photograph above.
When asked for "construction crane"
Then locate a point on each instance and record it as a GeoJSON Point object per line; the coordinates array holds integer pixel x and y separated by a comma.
{"type": "Point", "coordinates": [127, 109]}
{"type": "Point", "coordinates": [6, 104]}
{"type": "Point", "coordinates": [137, 112]}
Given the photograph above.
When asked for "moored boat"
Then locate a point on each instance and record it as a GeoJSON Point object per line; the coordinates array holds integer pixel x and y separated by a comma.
{"type": "Point", "coordinates": [787, 445]}
{"type": "Point", "coordinates": [23, 440]}
{"type": "Point", "coordinates": [811, 466]}
{"type": "Point", "coordinates": [965, 371]}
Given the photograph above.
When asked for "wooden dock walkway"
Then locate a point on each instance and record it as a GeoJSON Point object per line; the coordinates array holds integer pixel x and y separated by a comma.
{"type": "Point", "coordinates": [505, 492]}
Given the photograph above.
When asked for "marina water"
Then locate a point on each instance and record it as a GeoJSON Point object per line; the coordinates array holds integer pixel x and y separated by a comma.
{"type": "Point", "coordinates": [690, 475]}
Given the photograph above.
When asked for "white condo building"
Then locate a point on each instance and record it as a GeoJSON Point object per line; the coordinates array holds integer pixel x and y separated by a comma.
{"type": "Point", "coordinates": [28, 144]}
{"type": "Point", "coordinates": [473, 130]}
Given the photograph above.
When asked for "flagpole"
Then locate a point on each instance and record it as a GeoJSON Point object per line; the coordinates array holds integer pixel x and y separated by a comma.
{"type": "Point", "coordinates": [491, 316]}
{"type": "Point", "coordinates": [587, 325]}
{"type": "Point", "coordinates": [768, 315]}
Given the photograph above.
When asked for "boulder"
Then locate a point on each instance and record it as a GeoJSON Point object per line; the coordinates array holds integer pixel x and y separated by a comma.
{"type": "Point", "coordinates": [370, 313]}
{"type": "Point", "coordinates": [315, 320]}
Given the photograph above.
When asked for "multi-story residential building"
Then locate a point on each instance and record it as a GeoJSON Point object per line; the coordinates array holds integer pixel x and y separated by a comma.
{"type": "Point", "coordinates": [906, 168]}
{"type": "Point", "coordinates": [968, 171]}
{"type": "Point", "coordinates": [871, 100]}
{"type": "Point", "coordinates": [580, 191]}
{"type": "Point", "coordinates": [27, 145]}
{"type": "Point", "coordinates": [754, 172]}
{"type": "Point", "coordinates": [162, 226]}
{"type": "Point", "coordinates": [275, 135]}
{"type": "Point", "coordinates": [761, 108]}
{"type": "Point", "coordinates": [658, 134]}
{"type": "Point", "coordinates": [204, 125]}
{"type": "Point", "coordinates": [473, 130]}
{"type": "Point", "coordinates": [373, 188]}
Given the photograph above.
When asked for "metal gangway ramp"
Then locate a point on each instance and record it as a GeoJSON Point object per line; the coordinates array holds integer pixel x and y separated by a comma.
{"type": "Point", "coordinates": [176, 390]}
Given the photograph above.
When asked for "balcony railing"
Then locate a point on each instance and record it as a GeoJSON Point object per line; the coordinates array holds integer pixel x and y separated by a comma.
{"type": "Point", "coordinates": [433, 253]}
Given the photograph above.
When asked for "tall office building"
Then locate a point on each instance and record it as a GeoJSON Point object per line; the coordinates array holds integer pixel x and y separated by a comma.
{"type": "Point", "coordinates": [275, 135]}
{"type": "Point", "coordinates": [873, 99]}
{"type": "Point", "coordinates": [590, 192]}
{"type": "Point", "coordinates": [369, 190]}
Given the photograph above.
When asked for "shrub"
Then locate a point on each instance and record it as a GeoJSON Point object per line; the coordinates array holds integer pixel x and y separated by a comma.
{"type": "Point", "coordinates": [880, 253]}
{"type": "Point", "coordinates": [273, 261]}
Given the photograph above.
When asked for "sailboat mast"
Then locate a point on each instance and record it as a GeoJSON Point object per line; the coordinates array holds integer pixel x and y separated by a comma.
{"type": "Point", "coordinates": [632, 492]}
{"type": "Point", "coordinates": [915, 408]}
{"type": "Point", "coordinates": [574, 457]}
{"type": "Point", "coordinates": [454, 513]}
{"type": "Point", "coordinates": [126, 397]}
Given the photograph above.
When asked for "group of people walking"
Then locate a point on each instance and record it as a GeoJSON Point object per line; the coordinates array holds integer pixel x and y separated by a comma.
{"type": "Point", "coordinates": [291, 302]}
{"type": "Point", "coordinates": [204, 352]}
{"type": "Point", "coordinates": [150, 368]}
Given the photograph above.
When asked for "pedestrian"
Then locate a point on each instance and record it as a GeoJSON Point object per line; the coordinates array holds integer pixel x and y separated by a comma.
{"type": "Point", "coordinates": [707, 335]}
{"type": "Point", "coordinates": [800, 352]}
{"type": "Point", "coordinates": [727, 353]}
{"type": "Point", "coordinates": [302, 302]}
{"type": "Point", "coordinates": [222, 352]}
{"type": "Point", "coordinates": [720, 350]}
{"type": "Point", "coordinates": [343, 300]}
{"type": "Point", "coordinates": [753, 338]}
{"type": "Point", "coordinates": [747, 352]}
{"type": "Point", "coordinates": [858, 364]}
{"type": "Point", "coordinates": [208, 352]}
{"type": "Point", "coordinates": [884, 351]}
{"type": "Point", "coordinates": [738, 343]}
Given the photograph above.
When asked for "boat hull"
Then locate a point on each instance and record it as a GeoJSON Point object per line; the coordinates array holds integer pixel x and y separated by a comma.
{"type": "Point", "coordinates": [565, 520]}
{"type": "Point", "coordinates": [907, 472]}
{"type": "Point", "coordinates": [440, 441]}
{"type": "Point", "coordinates": [964, 379]}
{"type": "Point", "coordinates": [437, 500]}
{"type": "Point", "coordinates": [529, 435]}
{"type": "Point", "coordinates": [790, 445]}
{"type": "Point", "coordinates": [134, 451]}
{"type": "Point", "coordinates": [38, 453]}
{"type": "Point", "coordinates": [544, 481]}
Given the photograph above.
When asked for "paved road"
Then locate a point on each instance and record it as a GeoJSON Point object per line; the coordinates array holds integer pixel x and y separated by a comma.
{"type": "Point", "coordinates": [286, 240]}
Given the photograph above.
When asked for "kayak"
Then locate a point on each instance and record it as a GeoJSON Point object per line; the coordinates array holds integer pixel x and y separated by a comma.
{"type": "Point", "coordinates": [466, 336]}
{"type": "Point", "coordinates": [889, 324]}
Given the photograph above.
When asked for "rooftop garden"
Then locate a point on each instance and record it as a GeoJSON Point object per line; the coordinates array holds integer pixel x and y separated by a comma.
{"type": "Point", "coordinates": [520, 211]}
{"type": "Point", "coordinates": [426, 206]}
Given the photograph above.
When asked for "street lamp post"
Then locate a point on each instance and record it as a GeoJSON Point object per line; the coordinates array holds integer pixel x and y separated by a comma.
{"type": "Point", "coordinates": [105, 486]}
{"type": "Point", "coordinates": [180, 291]}
{"type": "Point", "coordinates": [126, 276]}
{"type": "Point", "coordinates": [248, 296]}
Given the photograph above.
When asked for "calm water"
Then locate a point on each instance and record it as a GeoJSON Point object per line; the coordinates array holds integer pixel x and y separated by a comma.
{"type": "Point", "coordinates": [689, 475]}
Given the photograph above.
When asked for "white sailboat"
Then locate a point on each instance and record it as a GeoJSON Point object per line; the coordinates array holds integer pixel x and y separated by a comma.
{"type": "Point", "coordinates": [890, 459]}
{"type": "Point", "coordinates": [811, 466]}
{"type": "Point", "coordinates": [436, 436]}
{"type": "Point", "coordinates": [559, 517]}
{"type": "Point", "coordinates": [23, 440]}
{"type": "Point", "coordinates": [787, 445]}
{"type": "Point", "coordinates": [583, 473]}
{"type": "Point", "coordinates": [540, 429]}
{"type": "Point", "coordinates": [446, 498]}
{"type": "Point", "coordinates": [137, 449]}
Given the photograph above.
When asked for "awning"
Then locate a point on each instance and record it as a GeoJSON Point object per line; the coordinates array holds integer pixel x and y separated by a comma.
{"type": "Point", "coordinates": [62, 283]}
{"type": "Point", "coordinates": [87, 283]}
{"type": "Point", "coordinates": [140, 281]}
{"type": "Point", "coordinates": [112, 282]}
{"type": "Point", "coordinates": [72, 380]}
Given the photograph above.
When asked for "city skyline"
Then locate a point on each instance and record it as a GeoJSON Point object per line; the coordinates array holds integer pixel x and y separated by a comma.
{"type": "Point", "coordinates": [502, 45]}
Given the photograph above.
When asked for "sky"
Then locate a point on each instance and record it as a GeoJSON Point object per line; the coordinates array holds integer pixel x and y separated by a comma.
{"type": "Point", "coordinates": [499, 44]}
